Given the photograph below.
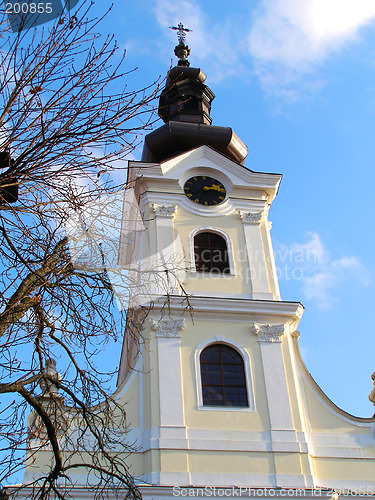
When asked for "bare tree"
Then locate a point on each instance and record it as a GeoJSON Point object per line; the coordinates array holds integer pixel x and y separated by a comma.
{"type": "Point", "coordinates": [64, 128]}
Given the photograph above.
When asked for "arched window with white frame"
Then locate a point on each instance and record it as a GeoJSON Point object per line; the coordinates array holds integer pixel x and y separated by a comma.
{"type": "Point", "coordinates": [223, 376]}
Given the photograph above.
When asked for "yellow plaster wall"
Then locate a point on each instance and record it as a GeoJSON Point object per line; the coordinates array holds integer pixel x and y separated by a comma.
{"type": "Point", "coordinates": [151, 380]}
{"type": "Point", "coordinates": [131, 401]}
{"type": "Point", "coordinates": [174, 461]}
{"type": "Point", "coordinates": [287, 463]}
{"type": "Point", "coordinates": [321, 419]}
{"type": "Point", "coordinates": [152, 461]}
{"type": "Point", "coordinates": [136, 463]}
{"type": "Point", "coordinates": [344, 469]}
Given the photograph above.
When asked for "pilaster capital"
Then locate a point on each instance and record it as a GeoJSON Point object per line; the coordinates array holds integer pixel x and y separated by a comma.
{"type": "Point", "coordinates": [268, 332]}
{"type": "Point", "coordinates": [251, 217]}
{"type": "Point", "coordinates": [168, 328]}
{"type": "Point", "coordinates": [164, 210]}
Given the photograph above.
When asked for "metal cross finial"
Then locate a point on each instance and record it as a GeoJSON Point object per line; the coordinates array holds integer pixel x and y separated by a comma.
{"type": "Point", "coordinates": [181, 32]}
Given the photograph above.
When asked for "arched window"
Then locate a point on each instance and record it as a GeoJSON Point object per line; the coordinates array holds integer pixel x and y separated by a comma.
{"type": "Point", "coordinates": [211, 253]}
{"type": "Point", "coordinates": [223, 376]}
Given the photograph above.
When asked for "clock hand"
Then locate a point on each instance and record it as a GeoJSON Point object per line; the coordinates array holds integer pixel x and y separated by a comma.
{"type": "Point", "coordinates": [214, 187]}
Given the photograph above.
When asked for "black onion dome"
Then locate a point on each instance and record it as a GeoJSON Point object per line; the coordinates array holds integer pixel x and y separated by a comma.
{"type": "Point", "coordinates": [185, 107]}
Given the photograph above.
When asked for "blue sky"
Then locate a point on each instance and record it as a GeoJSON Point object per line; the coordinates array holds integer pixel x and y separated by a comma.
{"type": "Point", "coordinates": [296, 81]}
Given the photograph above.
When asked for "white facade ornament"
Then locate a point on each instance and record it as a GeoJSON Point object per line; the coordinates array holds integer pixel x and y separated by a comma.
{"type": "Point", "coordinates": [269, 225]}
{"type": "Point", "coordinates": [164, 210]}
{"type": "Point", "coordinates": [251, 217]}
{"type": "Point", "coordinates": [168, 327]}
{"type": "Point", "coordinates": [269, 333]}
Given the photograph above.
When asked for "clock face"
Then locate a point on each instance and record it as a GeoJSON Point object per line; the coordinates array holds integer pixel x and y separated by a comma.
{"type": "Point", "coordinates": [204, 190]}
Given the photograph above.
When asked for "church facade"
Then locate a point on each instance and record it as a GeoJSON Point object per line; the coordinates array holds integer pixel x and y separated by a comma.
{"type": "Point", "coordinates": [219, 400]}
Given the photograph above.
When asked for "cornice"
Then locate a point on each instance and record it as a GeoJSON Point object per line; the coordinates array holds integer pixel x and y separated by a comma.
{"type": "Point", "coordinates": [230, 206]}
{"type": "Point", "coordinates": [232, 308]}
{"type": "Point", "coordinates": [171, 169]}
{"type": "Point", "coordinates": [210, 154]}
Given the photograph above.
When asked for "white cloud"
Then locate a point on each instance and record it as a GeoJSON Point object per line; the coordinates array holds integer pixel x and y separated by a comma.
{"type": "Point", "coordinates": [215, 46]}
{"type": "Point", "coordinates": [288, 38]}
{"type": "Point", "coordinates": [321, 277]}
{"type": "Point", "coordinates": [312, 250]}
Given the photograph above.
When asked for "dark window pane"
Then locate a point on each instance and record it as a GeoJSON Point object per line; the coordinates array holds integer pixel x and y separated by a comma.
{"type": "Point", "coordinates": [211, 253]}
{"type": "Point", "coordinates": [223, 376]}
{"type": "Point", "coordinates": [231, 356]}
{"type": "Point", "coordinates": [213, 396]}
{"type": "Point", "coordinates": [211, 374]}
{"type": "Point", "coordinates": [236, 396]}
{"type": "Point", "coordinates": [211, 353]}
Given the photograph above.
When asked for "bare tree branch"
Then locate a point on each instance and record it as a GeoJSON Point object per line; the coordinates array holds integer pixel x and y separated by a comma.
{"type": "Point", "coordinates": [67, 123]}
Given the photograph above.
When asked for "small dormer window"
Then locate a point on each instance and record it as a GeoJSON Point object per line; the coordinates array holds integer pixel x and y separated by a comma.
{"type": "Point", "coordinates": [211, 253]}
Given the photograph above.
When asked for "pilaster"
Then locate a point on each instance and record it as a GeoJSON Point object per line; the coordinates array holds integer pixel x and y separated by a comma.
{"type": "Point", "coordinates": [284, 437]}
{"type": "Point", "coordinates": [167, 251]}
{"type": "Point", "coordinates": [256, 254]}
{"type": "Point", "coordinates": [172, 421]}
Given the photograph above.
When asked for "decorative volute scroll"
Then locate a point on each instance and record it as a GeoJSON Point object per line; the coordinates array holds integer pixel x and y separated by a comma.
{"type": "Point", "coordinates": [168, 328]}
{"type": "Point", "coordinates": [251, 217]}
{"type": "Point", "coordinates": [164, 210]}
{"type": "Point", "coordinates": [269, 333]}
{"type": "Point", "coordinates": [300, 311]}
{"type": "Point", "coordinates": [372, 393]}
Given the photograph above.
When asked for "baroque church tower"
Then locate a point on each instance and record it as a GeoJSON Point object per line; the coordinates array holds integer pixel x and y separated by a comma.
{"type": "Point", "coordinates": [220, 396]}
{"type": "Point", "coordinates": [217, 396]}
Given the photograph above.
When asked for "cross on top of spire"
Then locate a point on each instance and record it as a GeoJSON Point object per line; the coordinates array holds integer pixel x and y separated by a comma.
{"type": "Point", "coordinates": [181, 32]}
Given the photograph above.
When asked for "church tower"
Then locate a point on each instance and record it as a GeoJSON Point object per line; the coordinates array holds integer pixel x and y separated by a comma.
{"type": "Point", "coordinates": [216, 393]}
{"type": "Point", "coordinates": [219, 395]}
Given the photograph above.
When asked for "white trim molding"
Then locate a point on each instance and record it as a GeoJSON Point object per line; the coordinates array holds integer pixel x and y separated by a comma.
{"type": "Point", "coordinates": [248, 376]}
{"type": "Point", "coordinates": [220, 232]}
